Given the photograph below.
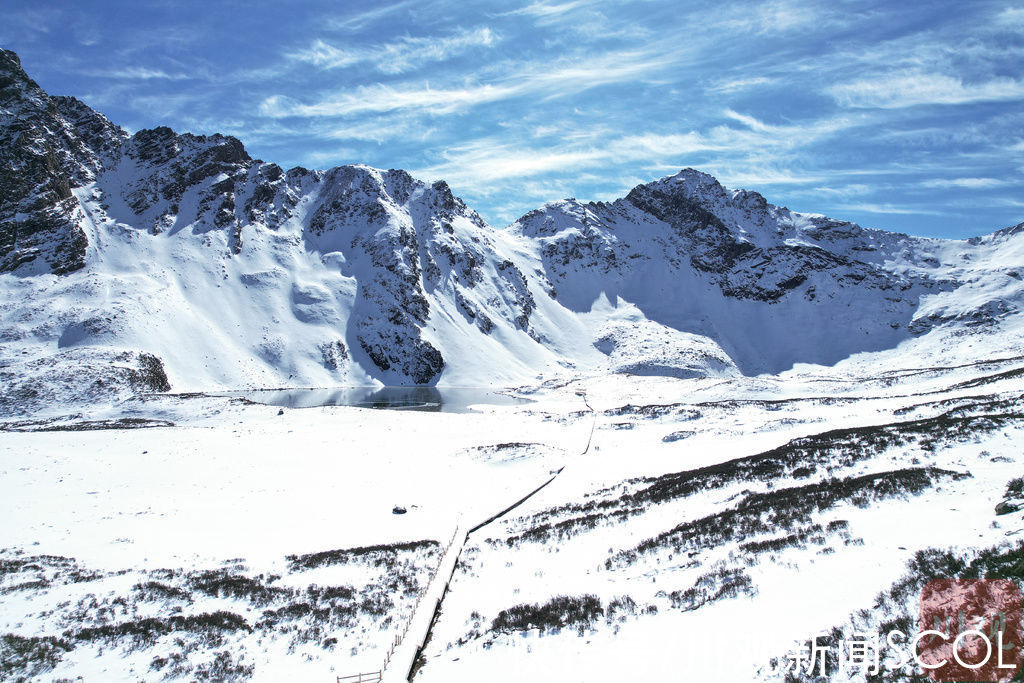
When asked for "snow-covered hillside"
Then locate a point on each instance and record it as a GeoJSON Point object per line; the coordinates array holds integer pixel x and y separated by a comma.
{"type": "Point", "coordinates": [234, 273]}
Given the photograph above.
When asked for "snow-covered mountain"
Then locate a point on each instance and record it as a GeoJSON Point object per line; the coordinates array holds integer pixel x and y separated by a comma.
{"type": "Point", "coordinates": [123, 258]}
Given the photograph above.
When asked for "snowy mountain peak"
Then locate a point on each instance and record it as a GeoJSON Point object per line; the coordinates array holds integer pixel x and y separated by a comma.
{"type": "Point", "coordinates": [691, 179]}
{"type": "Point", "coordinates": [1011, 231]}
{"type": "Point", "coordinates": [49, 146]}
{"type": "Point", "coordinates": [706, 191]}
{"type": "Point", "coordinates": [13, 76]}
{"type": "Point", "coordinates": [234, 272]}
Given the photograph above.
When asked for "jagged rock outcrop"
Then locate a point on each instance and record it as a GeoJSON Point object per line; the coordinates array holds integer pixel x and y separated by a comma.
{"type": "Point", "coordinates": [47, 147]}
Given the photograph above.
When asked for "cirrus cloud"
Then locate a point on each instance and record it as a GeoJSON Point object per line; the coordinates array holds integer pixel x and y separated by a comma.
{"type": "Point", "coordinates": [908, 89]}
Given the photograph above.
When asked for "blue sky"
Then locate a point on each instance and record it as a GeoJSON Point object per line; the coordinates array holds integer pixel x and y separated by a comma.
{"type": "Point", "coordinates": [906, 116]}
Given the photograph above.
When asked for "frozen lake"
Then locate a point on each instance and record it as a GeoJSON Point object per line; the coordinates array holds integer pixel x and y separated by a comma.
{"type": "Point", "coordinates": [429, 399]}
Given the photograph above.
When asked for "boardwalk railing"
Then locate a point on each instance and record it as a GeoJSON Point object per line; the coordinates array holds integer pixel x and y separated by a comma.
{"type": "Point", "coordinates": [375, 676]}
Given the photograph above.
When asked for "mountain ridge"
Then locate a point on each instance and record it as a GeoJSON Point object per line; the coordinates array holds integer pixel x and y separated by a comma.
{"type": "Point", "coordinates": [234, 272]}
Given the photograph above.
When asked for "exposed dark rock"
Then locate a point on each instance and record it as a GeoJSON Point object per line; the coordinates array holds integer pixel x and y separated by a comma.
{"type": "Point", "coordinates": [47, 147]}
{"type": "Point", "coordinates": [1008, 506]}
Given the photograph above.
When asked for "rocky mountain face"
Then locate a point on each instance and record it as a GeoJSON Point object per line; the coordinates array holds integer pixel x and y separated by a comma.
{"type": "Point", "coordinates": [235, 272]}
{"type": "Point", "coordinates": [47, 146]}
{"type": "Point", "coordinates": [730, 265]}
{"type": "Point", "coordinates": [407, 243]}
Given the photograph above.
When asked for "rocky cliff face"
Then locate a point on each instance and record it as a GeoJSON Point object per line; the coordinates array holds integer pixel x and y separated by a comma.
{"type": "Point", "coordinates": [161, 168]}
{"type": "Point", "coordinates": [773, 287]}
{"type": "Point", "coordinates": [748, 248]}
{"type": "Point", "coordinates": [48, 145]}
{"type": "Point", "coordinates": [407, 243]}
{"type": "Point", "coordinates": [237, 272]}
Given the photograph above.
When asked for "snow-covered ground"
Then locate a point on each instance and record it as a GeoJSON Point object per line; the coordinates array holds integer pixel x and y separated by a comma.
{"type": "Point", "coordinates": [610, 528]}
{"type": "Point", "coordinates": [110, 527]}
{"type": "Point", "coordinates": [242, 484]}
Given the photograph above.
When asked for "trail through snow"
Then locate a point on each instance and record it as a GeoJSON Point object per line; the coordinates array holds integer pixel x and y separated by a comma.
{"type": "Point", "coordinates": [407, 652]}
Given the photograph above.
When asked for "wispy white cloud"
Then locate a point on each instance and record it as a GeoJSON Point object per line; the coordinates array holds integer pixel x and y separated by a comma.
{"type": "Point", "coordinates": [758, 136]}
{"type": "Point", "coordinates": [481, 162]}
{"type": "Point", "coordinates": [1012, 17]}
{"type": "Point", "coordinates": [893, 91]}
{"type": "Point", "coordinates": [738, 84]}
{"type": "Point", "coordinates": [582, 20]}
{"type": "Point", "coordinates": [381, 130]}
{"type": "Point", "coordinates": [164, 106]}
{"type": "Point", "coordinates": [405, 54]}
{"type": "Point", "coordinates": [545, 11]}
{"type": "Point", "coordinates": [842, 191]}
{"type": "Point", "coordinates": [40, 19]}
{"type": "Point", "coordinates": [140, 73]}
{"type": "Point", "coordinates": [322, 157]}
{"type": "Point", "coordinates": [383, 98]}
{"type": "Point", "coordinates": [1008, 201]}
{"type": "Point", "coordinates": [360, 20]}
{"type": "Point", "coordinates": [537, 79]}
{"type": "Point", "coordinates": [749, 121]}
{"type": "Point", "coordinates": [769, 17]}
{"type": "Point", "coordinates": [574, 76]}
{"type": "Point", "coordinates": [967, 183]}
{"type": "Point", "coordinates": [891, 209]}
{"type": "Point", "coordinates": [656, 146]}
{"type": "Point", "coordinates": [750, 173]}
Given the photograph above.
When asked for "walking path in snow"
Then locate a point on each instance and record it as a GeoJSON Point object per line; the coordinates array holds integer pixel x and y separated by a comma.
{"type": "Point", "coordinates": [403, 657]}
{"type": "Point", "coordinates": [409, 650]}
{"type": "Point", "coordinates": [401, 660]}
